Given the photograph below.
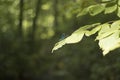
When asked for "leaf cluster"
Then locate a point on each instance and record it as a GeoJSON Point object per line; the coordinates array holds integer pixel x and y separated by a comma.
{"type": "Point", "coordinates": [107, 33]}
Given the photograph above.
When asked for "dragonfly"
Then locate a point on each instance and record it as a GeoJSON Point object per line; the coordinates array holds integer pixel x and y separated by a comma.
{"type": "Point", "coordinates": [63, 36]}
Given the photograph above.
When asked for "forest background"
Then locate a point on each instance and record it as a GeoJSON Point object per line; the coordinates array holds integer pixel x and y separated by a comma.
{"type": "Point", "coordinates": [30, 28]}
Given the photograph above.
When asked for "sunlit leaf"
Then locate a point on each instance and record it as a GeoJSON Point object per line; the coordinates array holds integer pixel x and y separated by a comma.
{"type": "Point", "coordinates": [118, 11]}
{"type": "Point", "coordinates": [75, 36]}
{"type": "Point", "coordinates": [106, 0]}
{"type": "Point", "coordinates": [93, 31]}
{"type": "Point", "coordinates": [102, 32]}
{"type": "Point", "coordinates": [108, 36]}
{"type": "Point", "coordinates": [83, 12]}
{"type": "Point", "coordinates": [90, 27]}
{"type": "Point", "coordinates": [116, 25]}
{"type": "Point", "coordinates": [96, 9]}
{"type": "Point", "coordinates": [104, 28]}
{"type": "Point", "coordinates": [59, 45]}
{"type": "Point", "coordinates": [110, 43]}
{"type": "Point", "coordinates": [119, 2]}
{"type": "Point", "coordinates": [107, 29]}
{"type": "Point", "coordinates": [110, 9]}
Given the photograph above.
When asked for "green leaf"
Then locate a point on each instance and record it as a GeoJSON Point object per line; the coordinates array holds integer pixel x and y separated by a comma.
{"type": "Point", "coordinates": [108, 29]}
{"type": "Point", "coordinates": [115, 25]}
{"type": "Point", "coordinates": [96, 9]}
{"type": "Point", "coordinates": [58, 45]}
{"type": "Point", "coordinates": [108, 36]}
{"type": "Point", "coordinates": [102, 33]}
{"type": "Point", "coordinates": [118, 2]}
{"type": "Point", "coordinates": [110, 9]}
{"type": "Point", "coordinates": [110, 43]}
{"type": "Point", "coordinates": [118, 12]}
{"type": "Point", "coordinates": [93, 31]}
{"type": "Point", "coordinates": [76, 36]}
{"type": "Point", "coordinates": [106, 0]}
{"type": "Point", "coordinates": [73, 38]}
{"type": "Point", "coordinates": [83, 12]}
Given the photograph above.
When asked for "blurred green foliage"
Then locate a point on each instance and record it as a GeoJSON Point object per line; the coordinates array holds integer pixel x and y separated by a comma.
{"type": "Point", "coordinates": [30, 28]}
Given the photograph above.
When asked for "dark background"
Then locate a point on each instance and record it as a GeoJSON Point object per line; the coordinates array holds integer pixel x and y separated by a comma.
{"type": "Point", "coordinates": [30, 28]}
